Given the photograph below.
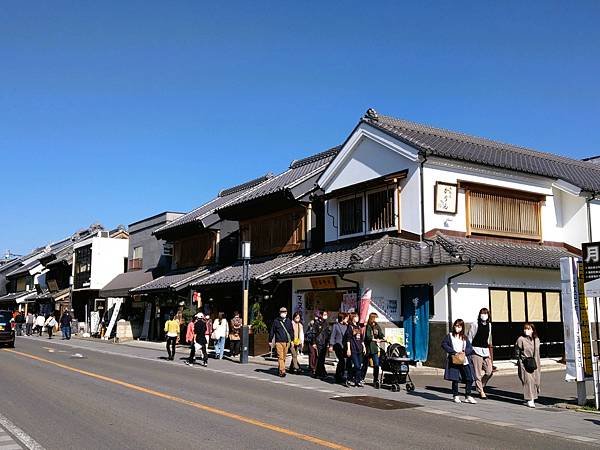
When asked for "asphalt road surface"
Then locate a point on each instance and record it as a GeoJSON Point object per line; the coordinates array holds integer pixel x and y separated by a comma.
{"type": "Point", "coordinates": [107, 401]}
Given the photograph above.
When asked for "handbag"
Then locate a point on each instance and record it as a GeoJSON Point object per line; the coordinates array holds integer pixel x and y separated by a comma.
{"type": "Point", "coordinates": [529, 362]}
{"type": "Point", "coordinates": [458, 359]}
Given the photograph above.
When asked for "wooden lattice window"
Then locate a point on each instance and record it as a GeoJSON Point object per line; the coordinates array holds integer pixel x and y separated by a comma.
{"type": "Point", "coordinates": [381, 210]}
{"type": "Point", "coordinates": [351, 215]}
{"type": "Point", "coordinates": [503, 213]}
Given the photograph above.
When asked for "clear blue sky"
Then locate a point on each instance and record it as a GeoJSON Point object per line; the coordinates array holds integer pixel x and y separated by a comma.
{"type": "Point", "coordinates": [114, 111]}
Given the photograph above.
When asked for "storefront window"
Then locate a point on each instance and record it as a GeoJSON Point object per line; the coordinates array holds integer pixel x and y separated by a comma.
{"type": "Point", "coordinates": [499, 305]}
{"type": "Point", "coordinates": [517, 306]}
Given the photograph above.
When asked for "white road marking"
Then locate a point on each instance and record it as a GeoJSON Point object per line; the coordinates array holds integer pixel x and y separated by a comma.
{"type": "Point", "coordinates": [471, 418]}
{"type": "Point", "coordinates": [540, 430]}
{"type": "Point", "coordinates": [21, 436]}
{"type": "Point", "coordinates": [581, 438]}
{"type": "Point", "coordinates": [501, 424]}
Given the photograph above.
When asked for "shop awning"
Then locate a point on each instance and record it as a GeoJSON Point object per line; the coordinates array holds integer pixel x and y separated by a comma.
{"type": "Point", "coordinates": [124, 282]}
{"type": "Point", "coordinates": [173, 281]}
{"type": "Point", "coordinates": [18, 297]}
{"type": "Point", "coordinates": [260, 269]}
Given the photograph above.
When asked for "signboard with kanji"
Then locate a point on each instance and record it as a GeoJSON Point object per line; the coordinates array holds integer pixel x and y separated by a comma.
{"type": "Point", "coordinates": [591, 268]}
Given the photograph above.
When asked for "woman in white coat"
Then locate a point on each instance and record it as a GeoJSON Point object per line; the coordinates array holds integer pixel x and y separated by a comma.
{"type": "Point", "coordinates": [220, 332]}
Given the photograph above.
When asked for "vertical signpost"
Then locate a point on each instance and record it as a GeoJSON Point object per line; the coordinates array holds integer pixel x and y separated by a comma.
{"type": "Point", "coordinates": [589, 278]}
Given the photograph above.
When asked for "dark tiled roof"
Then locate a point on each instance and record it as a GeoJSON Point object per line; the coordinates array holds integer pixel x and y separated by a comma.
{"type": "Point", "coordinates": [260, 269]}
{"type": "Point", "coordinates": [299, 171]}
{"type": "Point", "coordinates": [459, 146]}
{"type": "Point", "coordinates": [384, 253]}
{"type": "Point", "coordinates": [18, 297]}
{"type": "Point", "coordinates": [24, 269]}
{"type": "Point", "coordinates": [505, 253]}
{"type": "Point", "coordinates": [225, 196]}
{"type": "Point", "coordinates": [176, 280]}
{"type": "Point", "coordinates": [122, 283]}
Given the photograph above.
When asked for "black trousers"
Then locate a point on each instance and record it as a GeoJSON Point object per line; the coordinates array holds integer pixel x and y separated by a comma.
{"type": "Point", "coordinates": [340, 370]}
{"type": "Point", "coordinates": [234, 346]}
{"type": "Point", "coordinates": [28, 328]}
{"type": "Point", "coordinates": [171, 341]}
{"type": "Point", "coordinates": [320, 370]}
{"type": "Point", "coordinates": [50, 330]}
{"type": "Point", "coordinates": [192, 356]}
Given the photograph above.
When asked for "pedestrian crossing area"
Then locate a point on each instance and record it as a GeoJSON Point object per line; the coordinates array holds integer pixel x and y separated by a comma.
{"type": "Point", "coordinates": [7, 442]}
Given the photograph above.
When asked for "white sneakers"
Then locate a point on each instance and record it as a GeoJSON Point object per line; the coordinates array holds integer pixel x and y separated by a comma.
{"type": "Point", "coordinates": [468, 399]}
{"type": "Point", "coordinates": [531, 404]}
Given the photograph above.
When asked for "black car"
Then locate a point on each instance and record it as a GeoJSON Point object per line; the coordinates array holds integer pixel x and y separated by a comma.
{"type": "Point", "coordinates": [7, 329]}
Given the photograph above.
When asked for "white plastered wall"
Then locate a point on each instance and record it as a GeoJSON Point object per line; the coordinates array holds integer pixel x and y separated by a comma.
{"type": "Point", "coordinates": [107, 260]}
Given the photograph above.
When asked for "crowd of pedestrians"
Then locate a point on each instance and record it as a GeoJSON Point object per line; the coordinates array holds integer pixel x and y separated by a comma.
{"type": "Point", "coordinates": [30, 324]}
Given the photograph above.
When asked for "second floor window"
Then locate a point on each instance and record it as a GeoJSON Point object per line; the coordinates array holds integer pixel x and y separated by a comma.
{"type": "Point", "coordinates": [370, 212]}
{"type": "Point", "coordinates": [83, 266]}
{"type": "Point", "coordinates": [504, 213]}
{"type": "Point", "coordinates": [351, 216]}
{"type": "Point", "coordinates": [137, 258]}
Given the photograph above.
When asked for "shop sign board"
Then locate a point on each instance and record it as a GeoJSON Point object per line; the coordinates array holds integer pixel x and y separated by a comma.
{"type": "Point", "coordinates": [323, 283]}
{"type": "Point", "coordinates": [591, 268]}
{"type": "Point", "coordinates": [348, 302]}
{"type": "Point", "coordinates": [575, 321]}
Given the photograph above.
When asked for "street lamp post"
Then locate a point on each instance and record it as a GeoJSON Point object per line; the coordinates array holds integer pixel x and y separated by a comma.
{"type": "Point", "coordinates": [245, 288]}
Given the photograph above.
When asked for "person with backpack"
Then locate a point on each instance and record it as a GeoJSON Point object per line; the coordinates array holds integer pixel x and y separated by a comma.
{"type": "Point", "coordinates": [281, 332]}
{"type": "Point", "coordinates": [318, 338]}
{"type": "Point", "coordinates": [527, 348]}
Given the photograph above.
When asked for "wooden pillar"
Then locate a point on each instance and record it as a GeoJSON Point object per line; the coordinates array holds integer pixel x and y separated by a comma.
{"type": "Point", "coordinates": [309, 226]}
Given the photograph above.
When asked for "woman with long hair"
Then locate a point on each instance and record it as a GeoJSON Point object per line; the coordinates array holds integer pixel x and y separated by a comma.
{"type": "Point", "coordinates": [297, 342]}
{"type": "Point", "coordinates": [480, 336]}
{"type": "Point", "coordinates": [458, 364]}
{"type": "Point", "coordinates": [220, 331]}
{"type": "Point", "coordinates": [373, 336]}
{"type": "Point", "coordinates": [355, 349]}
{"type": "Point", "coordinates": [528, 360]}
{"type": "Point", "coordinates": [336, 344]}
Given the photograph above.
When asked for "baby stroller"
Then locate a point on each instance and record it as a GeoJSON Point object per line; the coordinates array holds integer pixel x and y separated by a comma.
{"type": "Point", "coordinates": [394, 361]}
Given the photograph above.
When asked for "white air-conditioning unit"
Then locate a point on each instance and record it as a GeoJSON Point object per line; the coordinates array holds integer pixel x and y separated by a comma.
{"type": "Point", "coordinates": [104, 234]}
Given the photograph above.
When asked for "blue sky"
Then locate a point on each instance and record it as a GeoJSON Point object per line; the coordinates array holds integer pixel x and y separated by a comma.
{"type": "Point", "coordinates": [114, 111]}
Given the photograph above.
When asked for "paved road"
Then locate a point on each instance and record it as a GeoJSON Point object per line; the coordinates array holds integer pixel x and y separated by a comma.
{"type": "Point", "coordinates": [112, 401]}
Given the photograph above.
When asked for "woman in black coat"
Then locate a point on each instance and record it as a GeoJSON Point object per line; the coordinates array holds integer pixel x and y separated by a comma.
{"type": "Point", "coordinates": [458, 363]}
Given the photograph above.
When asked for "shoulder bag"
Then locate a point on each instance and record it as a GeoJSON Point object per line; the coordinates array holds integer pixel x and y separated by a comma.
{"type": "Point", "coordinates": [458, 359]}
{"type": "Point", "coordinates": [529, 362]}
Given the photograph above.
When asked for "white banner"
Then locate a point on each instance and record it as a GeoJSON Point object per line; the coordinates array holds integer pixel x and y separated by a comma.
{"type": "Point", "coordinates": [571, 314]}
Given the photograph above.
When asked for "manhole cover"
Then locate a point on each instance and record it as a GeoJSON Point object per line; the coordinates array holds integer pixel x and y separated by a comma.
{"type": "Point", "coordinates": [376, 402]}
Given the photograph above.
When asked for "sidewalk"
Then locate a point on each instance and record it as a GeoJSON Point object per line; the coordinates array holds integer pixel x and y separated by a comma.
{"type": "Point", "coordinates": [504, 408]}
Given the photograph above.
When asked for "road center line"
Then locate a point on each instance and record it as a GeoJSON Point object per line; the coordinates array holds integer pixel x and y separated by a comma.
{"type": "Point", "coordinates": [200, 406]}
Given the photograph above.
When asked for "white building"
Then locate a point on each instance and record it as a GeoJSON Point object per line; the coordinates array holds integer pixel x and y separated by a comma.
{"type": "Point", "coordinates": [439, 224]}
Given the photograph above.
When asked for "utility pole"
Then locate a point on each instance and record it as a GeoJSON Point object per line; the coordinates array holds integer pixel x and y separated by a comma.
{"type": "Point", "coordinates": [245, 289]}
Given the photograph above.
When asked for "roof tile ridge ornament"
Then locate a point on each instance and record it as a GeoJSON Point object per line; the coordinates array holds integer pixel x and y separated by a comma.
{"type": "Point", "coordinates": [371, 114]}
{"type": "Point", "coordinates": [456, 250]}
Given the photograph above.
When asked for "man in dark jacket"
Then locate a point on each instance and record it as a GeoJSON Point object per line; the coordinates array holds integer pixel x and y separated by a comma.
{"type": "Point", "coordinates": [281, 332]}
{"type": "Point", "coordinates": [65, 325]}
{"type": "Point", "coordinates": [200, 332]}
{"type": "Point", "coordinates": [19, 320]}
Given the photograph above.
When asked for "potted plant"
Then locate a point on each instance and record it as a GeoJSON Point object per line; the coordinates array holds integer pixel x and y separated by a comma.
{"type": "Point", "coordinates": [259, 334]}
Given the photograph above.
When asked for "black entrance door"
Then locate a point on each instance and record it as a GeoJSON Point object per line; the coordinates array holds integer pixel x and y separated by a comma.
{"type": "Point", "coordinates": [511, 308]}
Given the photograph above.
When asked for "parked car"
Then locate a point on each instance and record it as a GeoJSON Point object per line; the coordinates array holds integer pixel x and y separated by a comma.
{"type": "Point", "coordinates": [7, 329]}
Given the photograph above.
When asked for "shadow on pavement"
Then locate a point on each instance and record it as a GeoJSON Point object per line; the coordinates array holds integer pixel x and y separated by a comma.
{"type": "Point", "coordinates": [515, 398]}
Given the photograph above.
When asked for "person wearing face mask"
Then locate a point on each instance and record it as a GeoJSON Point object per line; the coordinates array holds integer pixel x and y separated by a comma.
{"type": "Point", "coordinates": [480, 336]}
{"type": "Point", "coordinates": [281, 332]}
{"type": "Point", "coordinates": [297, 342]}
{"type": "Point", "coordinates": [318, 336]}
{"type": "Point", "coordinates": [355, 349]}
{"type": "Point", "coordinates": [458, 366]}
{"type": "Point", "coordinates": [336, 344]}
{"type": "Point", "coordinates": [528, 360]}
